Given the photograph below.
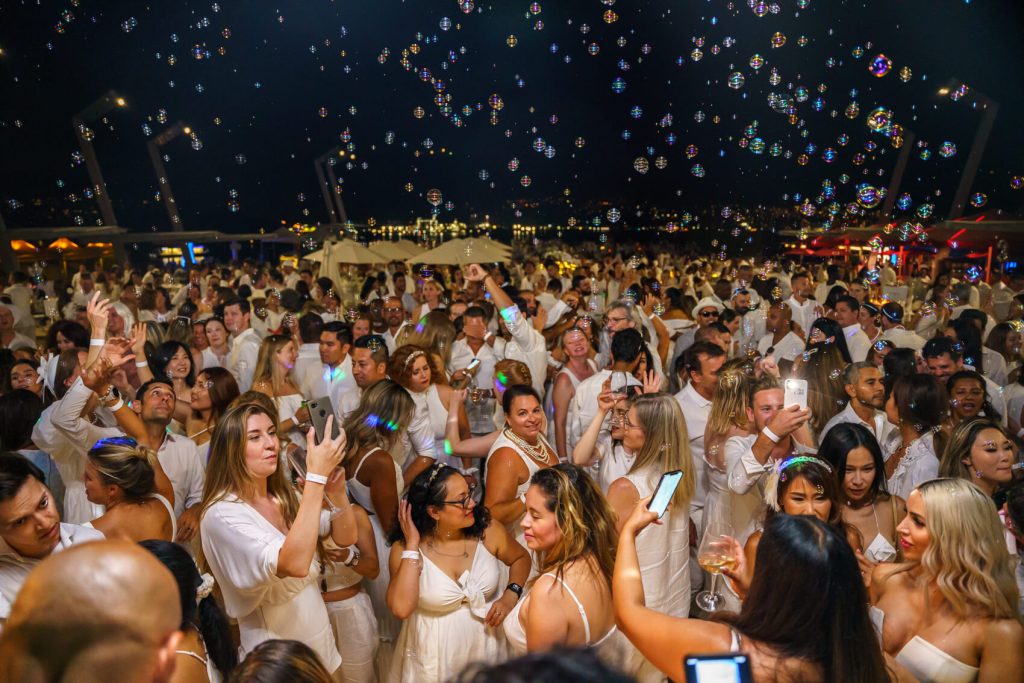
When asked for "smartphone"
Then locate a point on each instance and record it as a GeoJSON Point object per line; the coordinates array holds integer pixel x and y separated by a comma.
{"type": "Point", "coordinates": [663, 493]}
{"type": "Point", "coordinates": [723, 668]}
{"type": "Point", "coordinates": [319, 410]}
{"type": "Point", "coordinates": [468, 376]}
{"type": "Point", "coordinates": [297, 458]}
{"type": "Point", "coordinates": [796, 393]}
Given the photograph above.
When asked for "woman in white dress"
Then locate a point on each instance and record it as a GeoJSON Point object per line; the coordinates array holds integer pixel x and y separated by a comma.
{"type": "Point", "coordinates": [728, 418]}
{"type": "Point", "coordinates": [856, 460]}
{"type": "Point", "coordinates": [448, 562]}
{"type": "Point", "coordinates": [273, 377]}
{"type": "Point", "coordinates": [376, 484]}
{"type": "Point", "coordinates": [205, 653]}
{"type": "Point", "coordinates": [602, 450]}
{"type": "Point", "coordinates": [261, 540]}
{"type": "Point", "coordinates": [571, 527]}
{"type": "Point", "coordinates": [577, 368]}
{"type": "Point", "coordinates": [917, 406]}
{"type": "Point", "coordinates": [138, 498]}
{"type": "Point", "coordinates": [432, 292]}
{"type": "Point", "coordinates": [213, 392]}
{"type": "Point", "coordinates": [948, 613]}
{"type": "Point", "coordinates": [655, 430]}
{"type": "Point", "coordinates": [216, 354]}
{"type": "Point", "coordinates": [519, 452]}
{"type": "Point", "coordinates": [417, 371]}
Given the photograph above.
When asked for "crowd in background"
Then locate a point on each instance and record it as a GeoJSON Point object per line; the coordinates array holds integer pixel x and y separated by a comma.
{"type": "Point", "coordinates": [253, 472]}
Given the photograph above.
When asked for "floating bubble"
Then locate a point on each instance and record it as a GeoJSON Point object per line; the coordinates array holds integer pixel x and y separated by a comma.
{"type": "Point", "coordinates": [979, 199]}
{"type": "Point", "coordinates": [697, 170]}
{"type": "Point", "coordinates": [947, 149]}
{"type": "Point", "coordinates": [778, 39]}
{"type": "Point", "coordinates": [906, 74]}
{"type": "Point", "coordinates": [619, 85]}
{"type": "Point", "coordinates": [1016, 182]}
{"type": "Point", "coordinates": [880, 120]}
{"type": "Point", "coordinates": [614, 215]}
{"type": "Point", "coordinates": [641, 165]}
{"type": "Point", "coordinates": [869, 196]}
{"type": "Point", "coordinates": [736, 80]}
{"type": "Point", "coordinates": [973, 273]}
{"type": "Point", "coordinates": [756, 62]}
{"type": "Point", "coordinates": [880, 66]}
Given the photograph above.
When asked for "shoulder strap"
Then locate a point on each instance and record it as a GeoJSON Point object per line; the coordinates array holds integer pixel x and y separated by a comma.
{"type": "Point", "coordinates": [170, 511]}
{"type": "Point", "coordinates": [895, 520]}
{"type": "Point", "coordinates": [368, 454]}
{"type": "Point", "coordinates": [579, 605]}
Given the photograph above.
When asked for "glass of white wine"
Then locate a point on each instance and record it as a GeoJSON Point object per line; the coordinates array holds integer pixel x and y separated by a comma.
{"type": "Point", "coordinates": [715, 554]}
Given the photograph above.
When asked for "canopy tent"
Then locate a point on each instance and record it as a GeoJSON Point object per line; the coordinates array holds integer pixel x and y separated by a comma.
{"type": "Point", "coordinates": [461, 252]}
{"type": "Point", "coordinates": [410, 247]}
{"type": "Point", "coordinates": [487, 241]}
{"type": "Point", "coordinates": [347, 251]}
{"type": "Point", "coordinates": [395, 251]}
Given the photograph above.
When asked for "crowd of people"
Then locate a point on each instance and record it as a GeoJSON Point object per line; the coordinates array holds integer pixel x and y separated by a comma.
{"type": "Point", "coordinates": [256, 473]}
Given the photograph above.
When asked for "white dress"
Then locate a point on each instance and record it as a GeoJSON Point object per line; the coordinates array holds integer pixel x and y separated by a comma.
{"type": "Point", "coordinates": [926, 661]}
{"type": "Point", "coordinates": [549, 401]}
{"type": "Point", "coordinates": [663, 551]}
{"type": "Point", "coordinates": [919, 464]}
{"type": "Point", "coordinates": [242, 549]}
{"type": "Point", "coordinates": [447, 631]}
{"type": "Point", "coordinates": [387, 625]}
{"type": "Point", "coordinates": [531, 466]}
{"type": "Point", "coordinates": [287, 406]}
{"type": "Point", "coordinates": [438, 414]}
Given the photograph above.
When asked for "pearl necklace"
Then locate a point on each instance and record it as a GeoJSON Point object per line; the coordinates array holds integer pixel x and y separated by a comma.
{"type": "Point", "coordinates": [538, 452]}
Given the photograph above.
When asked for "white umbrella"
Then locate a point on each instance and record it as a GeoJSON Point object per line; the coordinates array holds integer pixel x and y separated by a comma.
{"type": "Point", "coordinates": [392, 250]}
{"type": "Point", "coordinates": [410, 247]}
{"type": "Point", "coordinates": [350, 251]}
{"type": "Point", "coordinates": [461, 252]}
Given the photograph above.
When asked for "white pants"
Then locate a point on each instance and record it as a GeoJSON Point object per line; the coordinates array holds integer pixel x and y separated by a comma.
{"type": "Point", "coordinates": [355, 630]}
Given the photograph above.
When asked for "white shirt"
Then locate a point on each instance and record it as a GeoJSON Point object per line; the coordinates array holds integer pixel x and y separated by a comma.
{"type": "Point", "coordinates": [179, 457]}
{"type": "Point", "coordinates": [323, 380]}
{"type": "Point", "coordinates": [879, 425]}
{"type": "Point", "coordinates": [788, 348]}
{"type": "Point", "coordinates": [583, 406]}
{"type": "Point", "coordinates": [480, 415]}
{"type": "Point", "coordinates": [15, 568]}
{"type": "Point", "coordinates": [746, 485]}
{"type": "Point", "coordinates": [527, 345]}
{"type": "Point", "coordinates": [392, 339]}
{"type": "Point", "coordinates": [20, 341]}
{"type": "Point", "coordinates": [245, 349]}
{"type": "Point", "coordinates": [242, 550]}
{"type": "Point", "coordinates": [918, 465]}
{"type": "Point", "coordinates": [308, 361]}
{"type": "Point", "coordinates": [803, 313]}
{"type": "Point", "coordinates": [857, 342]}
{"type": "Point", "coordinates": [696, 410]}
{"type": "Point", "coordinates": [419, 436]}
{"type": "Point", "coordinates": [903, 338]}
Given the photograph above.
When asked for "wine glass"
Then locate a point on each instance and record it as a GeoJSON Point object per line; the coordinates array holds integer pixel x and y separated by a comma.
{"type": "Point", "coordinates": [715, 554]}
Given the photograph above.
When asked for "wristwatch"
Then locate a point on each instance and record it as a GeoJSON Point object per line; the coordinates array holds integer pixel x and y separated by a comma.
{"type": "Point", "coordinates": [515, 588]}
{"type": "Point", "coordinates": [112, 394]}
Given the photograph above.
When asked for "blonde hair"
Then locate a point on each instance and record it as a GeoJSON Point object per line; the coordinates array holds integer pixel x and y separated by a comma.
{"type": "Point", "coordinates": [434, 331]}
{"type": "Point", "coordinates": [826, 395]}
{"type": "Point", "coordinates": [383, 415]}
{"type": "Point", "coordinates": [666, 442]}
{"type": "Point", "coordinates": [584, 517]}
{"type": "Point", "coordinates": [122, 462]}
{"type": "Point", "coordinates": [266, 371]}
{"type": "Point", "coordinates": [732, 397]}
{"type": "Point", "coordinates": [510, 372]}
{"type": "Point", "coordinates": [966, 556]}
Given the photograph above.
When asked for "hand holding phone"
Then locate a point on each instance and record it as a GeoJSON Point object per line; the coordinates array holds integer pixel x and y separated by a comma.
{"type": "Point", "coordinates": [319, 410]}
{"type": "Point", "coordinates": [795, 393]}
{"type": "Point", "coordinates": [724, 668]}
{"type": "Point", "coordinates": [467, 375]}
{"type": "Point", "coordinates": [664, 492]}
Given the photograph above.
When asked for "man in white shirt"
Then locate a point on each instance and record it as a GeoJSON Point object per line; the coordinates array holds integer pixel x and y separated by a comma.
{"type": "Point", "coordinates": [701, 363]}
{"type": "Point", "coordinates": [394, 317]}
{"type": "Point", "coordinates": [847, 315]}
{"type": "Point", "coordinates": [291, 277]}
{"type": "Point", "coordinates": [893, 330]}
{"type": "Point", "coordinates": [9, 337]}
{"type": "Point", "coordinates": [805, 310]}
{"type": "Point", "coordinates": [627, 346]}
{"type": "Point", "coordinates": [752, 319]}
{"type": "Point", "coordinates": [333, 376]}
{"type": "Point", "coordinates": [245, 343]}
{"type": "Point", "coordinates": [780, 432]}
{"type": "Point", "coordinates": [863, 384]}
{"type": "Point", "coordinates": [21, 297]}
{"type": "Point", "coordinates": [943, 360]}
{"type": "Point", "coordinates": [706, 313]}
{"type": "Point", "coordinates": [473, 346]}
{"type": "Point", "coordinates": [780, 339]}
{"type": "Point", "coordinates": [30, 526]}
{"type": "Point", "coordinates": [308, 361]}
{"type": "Point", "coordinates": [524, 344]}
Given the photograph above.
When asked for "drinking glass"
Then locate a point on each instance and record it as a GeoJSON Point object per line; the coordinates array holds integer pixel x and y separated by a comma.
{"type": "Point", "coordinates": [715, 554]}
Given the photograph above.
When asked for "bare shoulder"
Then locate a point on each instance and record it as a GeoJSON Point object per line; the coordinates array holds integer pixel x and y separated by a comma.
{"type": "Point", "coordinates": [623, 489]}
{"type": "Point", "coordinates": [886, 576]}
{"type": "Point", "coordinates": [1008, 631]}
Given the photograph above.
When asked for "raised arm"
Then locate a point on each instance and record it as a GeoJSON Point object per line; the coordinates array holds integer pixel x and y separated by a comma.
{"type": "Point", "coordinates": [473, 447]}
{"type": "Point", "coordinates": [404, 590]}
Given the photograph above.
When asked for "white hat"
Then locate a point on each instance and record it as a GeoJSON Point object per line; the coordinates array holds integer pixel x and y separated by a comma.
{"type": "Point", "coordinates": [707, 302]}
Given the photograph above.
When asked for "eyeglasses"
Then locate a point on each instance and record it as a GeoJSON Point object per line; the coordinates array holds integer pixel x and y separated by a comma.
{"type": "Point", "coordinates": [626, 424]}
{"type": "Point", "coordinates": [392, 310]}
{"type": "Point", "coordinates": [709, 314]}
{"type": "Point", "coordinates": [615, 320]}
{"type": "Point", "coordinates": [463, 502]}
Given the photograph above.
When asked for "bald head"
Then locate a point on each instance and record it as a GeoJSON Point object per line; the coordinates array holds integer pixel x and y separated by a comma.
{"type": "Point", "coordinates": [90, 606]}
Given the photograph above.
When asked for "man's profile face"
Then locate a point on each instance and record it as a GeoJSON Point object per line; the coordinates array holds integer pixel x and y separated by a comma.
{"type": "Point", "coordinates": [29, 521]}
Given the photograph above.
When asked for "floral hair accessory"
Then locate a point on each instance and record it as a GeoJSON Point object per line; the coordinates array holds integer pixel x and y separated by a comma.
{"type": "Point", "coordinates": [778, 475]}
{"type": "Point", "coordinates": [412, 356]}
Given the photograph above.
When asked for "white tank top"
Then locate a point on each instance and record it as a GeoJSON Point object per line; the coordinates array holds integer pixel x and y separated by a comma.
{"type": "Point", "coordinates": [361, 492]}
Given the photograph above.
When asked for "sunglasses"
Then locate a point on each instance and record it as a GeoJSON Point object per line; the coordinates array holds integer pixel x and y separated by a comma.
{"type": "Point", "coordinates": [709, 314]}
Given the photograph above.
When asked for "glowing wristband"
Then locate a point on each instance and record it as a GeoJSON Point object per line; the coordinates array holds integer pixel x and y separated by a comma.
{"type": "Point", "coordinates": [97, 342]}
{"type": "Point", "coordinates": [413, 555]}
{"type": "Point", "coordinates": [117, 406]}
{"type": "Point", "coordinates": [141, 363]}
{"type": "Point", "coordinates": [316, 478]}
{"type": "Point", "coordinates": [775, 438]}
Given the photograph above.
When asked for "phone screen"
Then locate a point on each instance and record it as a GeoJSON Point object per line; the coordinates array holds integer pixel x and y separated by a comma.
{"type": "Point", "coordinates": [663, 494]}
{"type": "Point", "coordinates": [718, 669]}
{"type": "Point", "coordinates": [796, 393]}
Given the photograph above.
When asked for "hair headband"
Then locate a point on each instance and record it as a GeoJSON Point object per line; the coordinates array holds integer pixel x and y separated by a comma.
{"type": "Point", "coordinates": [412, 356]}
{"type": "Point", "coordinates": [778, 475]}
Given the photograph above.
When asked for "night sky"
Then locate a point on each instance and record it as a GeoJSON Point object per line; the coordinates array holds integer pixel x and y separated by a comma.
{"type": "Point", "coordinates": [267, 87]}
